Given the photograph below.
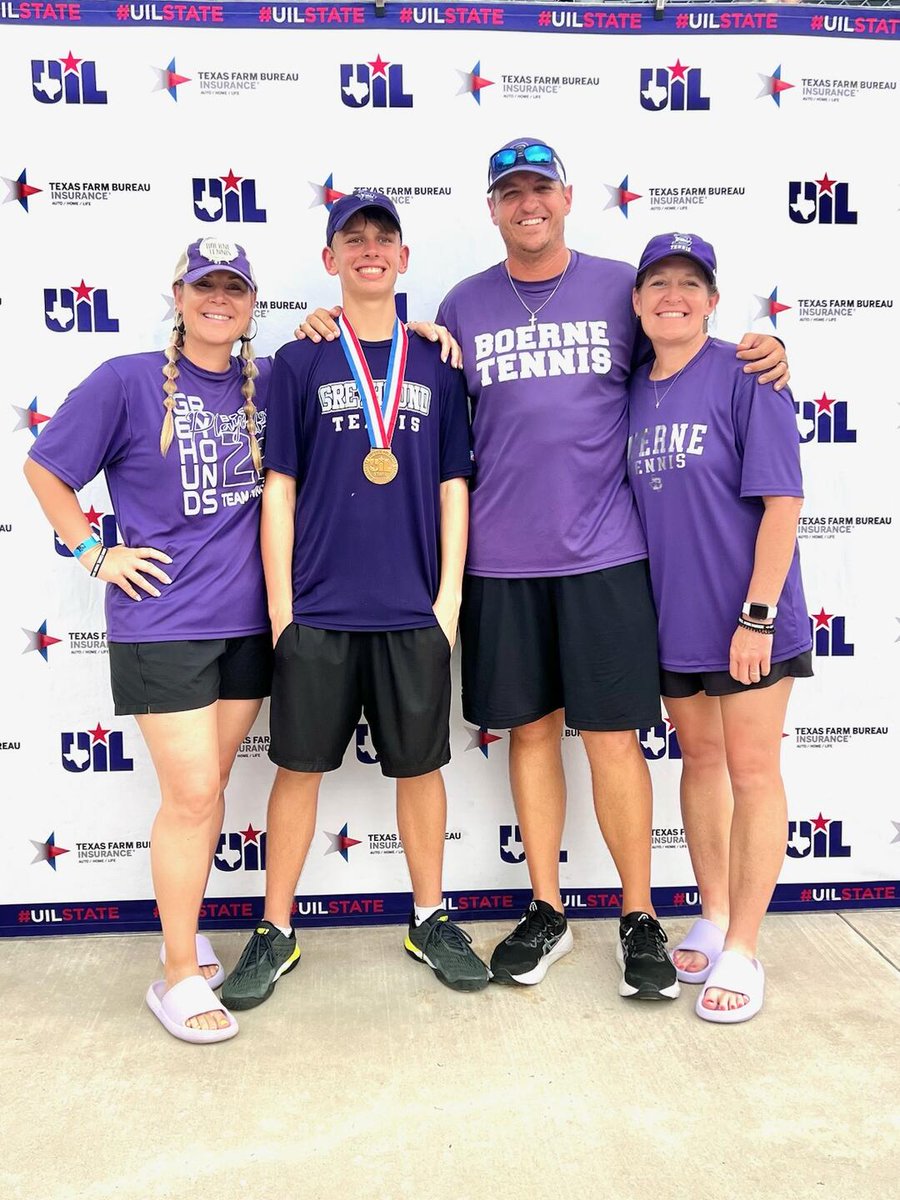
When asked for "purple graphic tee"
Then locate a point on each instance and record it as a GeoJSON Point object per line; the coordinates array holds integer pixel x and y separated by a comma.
{"type": "Point", "coordinates": [699, 465]}
{"type": "Point", "coordinates": [366, 556]}
{"type": "Point", "coordinates": [549, 419]}
{"type": "Point", "coordinates": [200, 504]}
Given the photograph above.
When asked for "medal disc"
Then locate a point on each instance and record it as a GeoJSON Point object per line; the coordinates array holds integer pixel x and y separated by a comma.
{"type": "Point", "coordinates": [380, 466]}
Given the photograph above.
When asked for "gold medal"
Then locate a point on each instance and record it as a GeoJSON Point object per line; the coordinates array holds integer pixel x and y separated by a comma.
{"type": "Point", "coordinates": [380, 466]}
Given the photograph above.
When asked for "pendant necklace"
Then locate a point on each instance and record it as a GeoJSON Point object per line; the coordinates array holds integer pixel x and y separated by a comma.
{"type": "Point", "coordinates": [660, 398]}
{"type": "Point", "coordinates": [533, 312]}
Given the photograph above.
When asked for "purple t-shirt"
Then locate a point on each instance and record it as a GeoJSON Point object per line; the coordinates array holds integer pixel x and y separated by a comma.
{"type": "Point", "coordinates": [200, 504]}
{"type": "Point", "coordinates": [549, 419]}
{"type": "Point", "coordinates": [366, 556]}
{"type": "Point", "coordinates": [699, 465]}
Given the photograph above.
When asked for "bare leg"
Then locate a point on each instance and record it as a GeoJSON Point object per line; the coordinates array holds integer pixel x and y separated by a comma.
{"type": "Point", "coordinates": [706, 807]}
{"type": "Point", "coordinates": [290, 825]}
{"type": "Point", "coordinates": [753, 724]}
{"type": "Point", "coordinates": [539, 791]}
{"type": "Point", "coordinates": [184, 748]}
{"type": "Point", "coordinates": [623, 802]}
{"type": "Point", "coordinates": [422, 821]}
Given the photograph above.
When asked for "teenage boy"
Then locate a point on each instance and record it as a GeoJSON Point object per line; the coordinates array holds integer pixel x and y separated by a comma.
{"type": "Point", "coordinates": [364, 529]}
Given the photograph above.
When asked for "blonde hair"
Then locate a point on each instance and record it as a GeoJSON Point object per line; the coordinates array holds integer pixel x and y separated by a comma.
{"type": "Point", "coordinates": [250, 372]}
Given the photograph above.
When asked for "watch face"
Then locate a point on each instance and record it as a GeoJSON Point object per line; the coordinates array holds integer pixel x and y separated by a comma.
{"type": "Point", "coordinates": [759, 611]}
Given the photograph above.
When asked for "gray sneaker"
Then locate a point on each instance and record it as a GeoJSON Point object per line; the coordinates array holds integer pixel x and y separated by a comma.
{"type": "Point", "coordinates": [446, 948]}
{"type": "Point", "coordinates": [266, 957]}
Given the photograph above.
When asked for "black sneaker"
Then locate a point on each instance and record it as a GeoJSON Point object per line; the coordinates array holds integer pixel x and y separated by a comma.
{"type": "Point", "coordinates": [647, 971]}
{"type": "Point", "coordinates": [447, 949]}
{"type": "Point", "coordinates": [540, 938]}
{"type": "Point", "coordinates": [266, 957]}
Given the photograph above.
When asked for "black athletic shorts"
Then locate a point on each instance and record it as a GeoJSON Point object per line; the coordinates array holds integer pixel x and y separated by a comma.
{"type": "Point", "coordinates": [325, 679]}
{"type": "Point", "coordinates": [681, 684]}
{"type": "Point", "coordinates": [166, 677]}
{"type": "Point", "coordinates": [585, 643]}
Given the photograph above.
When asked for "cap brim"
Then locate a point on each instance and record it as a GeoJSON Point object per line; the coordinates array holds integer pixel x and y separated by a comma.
{"type": "Point", "coordinates": [645, 267]}
{"type": "Point", "coordinates": [200, 272]}
{"type": "Point", "coordinates": [548, 170]}
{"type": "Point", "coordinates": [365, 202]}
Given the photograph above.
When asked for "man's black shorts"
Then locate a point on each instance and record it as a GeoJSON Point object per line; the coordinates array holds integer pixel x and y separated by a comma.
{"type": "Point", "coordinates": [324, 679]}
{"type": "Point", "coordinates": [166, 677]}
{"type": "Point", "coordinates": [584, 643]}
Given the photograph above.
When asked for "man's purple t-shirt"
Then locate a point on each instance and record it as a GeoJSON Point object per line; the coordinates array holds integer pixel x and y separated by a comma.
{"type": "Point", "coordinates": [699, 465]}
{"type": "Point", "coordinates": [549, 419]}
{"type": "Point", "coordinates": [199, 504]}
{"type": "Point", "coordinates": [366, 555]}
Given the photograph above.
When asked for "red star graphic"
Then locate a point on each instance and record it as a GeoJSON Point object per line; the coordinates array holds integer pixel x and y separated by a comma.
{"type": "Point", "coordinates": [678, 70]}
{"type": "Point", "coordinates": [45, 640]}
{"type": "Point", "coordinates": [82, 292]}
{"type": "Point", "coordinates": [93, 516]}
{"type": "Point", "coordinates": [347, 842]}
{"type": "Point", "coordinates": [820, 822]}
{"type": "Point", "coordinates": [775, 308]}
{"type": "Point", "coordinates": [55, 851]}
{"type": "Point", "coordinates": [670, 723]}
{"type": "Point", "coordinates": [626, 197]}
{"type": "Point", "coordinates": [231, 180]}
{"type": "Point", "coordinates": [779, 85]}
{"type": "Point", "coordinates": [824, 404]}
{"type": "Point", "coordinates": [821, 618]}
{"type": "Point", "coordinates": [486, 738]}
{"type": "Point", "coordinates": [826, 184]}
{"type": "Point", "coordinates": [250, 834]}
{"type": "Point", "coordinates": [71, 63]}
{"type": "Point", "coordinates": [479, 82]}
{"type": "Point", "coordinates": [379, 66]}
{"type": "Point", "coordinates": [98, 734]}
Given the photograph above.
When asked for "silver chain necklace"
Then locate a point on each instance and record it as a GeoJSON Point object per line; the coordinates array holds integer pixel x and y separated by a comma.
{"type": "Point", "coordinates": [660, 398]}
{"type": "Point", "coordinates": [533, 312]}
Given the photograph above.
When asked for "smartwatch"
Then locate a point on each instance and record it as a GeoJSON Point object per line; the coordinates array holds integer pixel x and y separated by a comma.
{"type": "Point", "coordinates": [760, 612]}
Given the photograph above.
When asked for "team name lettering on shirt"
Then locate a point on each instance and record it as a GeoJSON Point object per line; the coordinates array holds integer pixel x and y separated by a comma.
{"type": "Point", "coordinates": [214, 452]}
{"type": "Point", "coordinates": [339, 400]}
{"type": "Point", "coordinates": [547, 351]}
{"type": "Point", "coordinates": [665, 447]}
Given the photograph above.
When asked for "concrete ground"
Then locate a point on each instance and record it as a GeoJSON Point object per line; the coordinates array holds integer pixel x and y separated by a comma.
{"type": "Point", "coordinates": [364, 1079]}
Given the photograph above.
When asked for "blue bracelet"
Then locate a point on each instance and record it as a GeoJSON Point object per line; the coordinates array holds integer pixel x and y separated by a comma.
{"type": "Point", "coordinates": [87, 544]}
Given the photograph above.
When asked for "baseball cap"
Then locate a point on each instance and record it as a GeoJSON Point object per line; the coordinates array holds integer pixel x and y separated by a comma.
{"type": "Point", "coordinates": [211, 254]}
{"type": "Point", "coordinates": [348, 206]}
{"type": "Point", "coordinates": [525, 154]}
{"type": "Point", "coordinates": [688, 245]}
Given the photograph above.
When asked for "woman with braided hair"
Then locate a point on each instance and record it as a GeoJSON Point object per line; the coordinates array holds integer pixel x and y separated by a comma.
{"type": "Point", "coordinates": [177, 434]}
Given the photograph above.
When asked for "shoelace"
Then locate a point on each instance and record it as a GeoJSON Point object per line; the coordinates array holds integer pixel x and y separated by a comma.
{"type": "Point", "coordinates": [532, 925]}
{"type": "Point", "coordinates": [258, 948]}
{"type": "Point", "coordinates": [648, 938]}
{"type": "Point", "coordinates": [456, 939]}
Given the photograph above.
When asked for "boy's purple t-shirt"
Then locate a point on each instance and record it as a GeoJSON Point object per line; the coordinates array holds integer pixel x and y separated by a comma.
{"type": "Point", "coordinates": [199, 504]}
{"type": "Point", "coordinates": [699, 465]}
{"type": "Point", "coordinates": [366, 556]}
{"type": "Point", "coordinates": [549, 419]}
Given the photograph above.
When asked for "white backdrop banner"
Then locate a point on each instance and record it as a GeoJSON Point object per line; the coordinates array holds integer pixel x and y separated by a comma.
{"type": "Point", "coordinates": [131, 129]}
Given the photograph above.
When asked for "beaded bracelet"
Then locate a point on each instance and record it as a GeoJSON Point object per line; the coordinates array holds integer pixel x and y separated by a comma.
{"type": "Point", "coordinates": [769, 629]}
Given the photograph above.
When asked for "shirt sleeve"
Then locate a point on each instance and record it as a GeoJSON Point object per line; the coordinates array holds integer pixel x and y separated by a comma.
{"type": "Point", "coordinates": [446, 315]}
{"type": "Point", "coordinates": [456, 441]}
{"type": "Point", "coordinates": [283, 429]}
{"type": "Point", "coordinates": [90, 430]}
{"type": "Point", "coordinates": [767, 439]}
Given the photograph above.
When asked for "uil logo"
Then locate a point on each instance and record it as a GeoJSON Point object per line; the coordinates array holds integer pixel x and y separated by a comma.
{"type": "Point", "coordinates": [677, 88]}
{"type": "Point", "coordinates": [69, 80]}
{"type": "Point", "coordinates": [829, 635]}
{"type": "Point", "coordinates": [374, 84]}
{"type": "Point", "coordinates": [76, 308]}
{"type": "Point", "coordinates": [659, 741]}
{"type": "Point", "coordinates": [103, 526]}
{"type": "Point", "coordinates": [820, 202]}
{"type": "Point", "coordinates": [365, 747]}
{"type": "Point", "coordinates": [823, 420]}
{"type": "Point", "coordinates": [820, 837]}
{"type": "Point", "coordinates": [228, 197]}
{"type": "Point", "coordinates": [512, 836]}
{"type": "Point", "coordinates": [241, 850]}
{"type": "Point", "coordinates": [99, 750]}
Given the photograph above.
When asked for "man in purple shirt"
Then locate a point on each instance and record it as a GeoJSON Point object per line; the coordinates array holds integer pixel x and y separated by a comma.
{"type": "Point", "coordinates": [557, 617]}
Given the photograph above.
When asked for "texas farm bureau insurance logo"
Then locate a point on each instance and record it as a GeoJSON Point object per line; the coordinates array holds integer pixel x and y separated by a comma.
{"type": "Point", "coordinates": [230, 198]}
{"type": "Point", "coordinates": [677, 88]}
{"type": "Point", "coordinates": [826, 737]}
{"type": "Point", "coordinates": [817, 837]}
{"type": "Point", "coordinates": [326, 194]}
{"type": "Point", "coordinates": [375, 83]}
{"type": "Point", "coordinates": [212, 81]}
{"type": "Point", "coordinates": [98, 750]}
{"type": "Point", "coordinates": [84, 193]}
{"type": "Point", "coordinates": [684, 198]}
{"type": "Point", "coordinates": [536, 86]}
{"type": "Point", "coordinates": [19, 190]}
{"type": "Point", "coordinates": [820, 202]}
{"type": "Point", "coordinates": [814, 309]}
{"type": "Point", "coordinates": [820, 90]}
{"type": "Point", "coordinates": [79, 308]}
{"type": "Point", "coordinates": [68, 80]}
{"type": "Point", "coordinates": [828, 526]}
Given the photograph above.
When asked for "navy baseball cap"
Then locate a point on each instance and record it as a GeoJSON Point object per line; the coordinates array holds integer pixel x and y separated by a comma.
{"type": "Point", "coordinates": [348, 206]}
{"type": "Point", "coordinates": [213, 254]}
{"type": "Point", "coordinates": [525, 154]}
{"type": "Point", "coordinates": [687, 245]}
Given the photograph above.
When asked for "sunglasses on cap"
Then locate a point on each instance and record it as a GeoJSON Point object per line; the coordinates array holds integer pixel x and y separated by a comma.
{"type": "Point", "coordinates": [534, 154]}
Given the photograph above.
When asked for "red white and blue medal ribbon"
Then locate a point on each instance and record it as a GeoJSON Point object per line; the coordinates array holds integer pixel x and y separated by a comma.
{"type": "Point", "coordinates": [381, 418]}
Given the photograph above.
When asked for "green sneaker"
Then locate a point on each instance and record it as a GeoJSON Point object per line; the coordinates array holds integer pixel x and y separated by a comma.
{"type": "Point", "coordinates": [266, 957]}
{"type": "Point", "coordinates": [446, 948]}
